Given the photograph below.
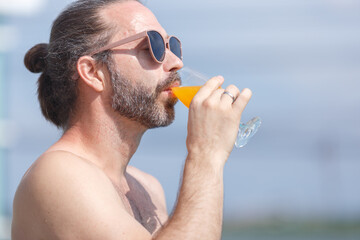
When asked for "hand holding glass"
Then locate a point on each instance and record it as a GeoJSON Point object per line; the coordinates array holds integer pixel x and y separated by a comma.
{"type": "Point", "coordinates": [191, 83]}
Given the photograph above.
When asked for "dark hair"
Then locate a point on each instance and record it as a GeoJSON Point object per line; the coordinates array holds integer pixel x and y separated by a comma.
{"type": "Point", "coordinates": [77, 31]}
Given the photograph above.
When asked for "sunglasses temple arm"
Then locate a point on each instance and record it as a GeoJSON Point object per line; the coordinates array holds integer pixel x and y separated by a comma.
{"type": "Point", "coordinates": [120, 42]}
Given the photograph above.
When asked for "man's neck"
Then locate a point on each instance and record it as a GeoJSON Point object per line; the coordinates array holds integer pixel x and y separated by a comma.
{"type": "Point", "coordinates": [109, 144]}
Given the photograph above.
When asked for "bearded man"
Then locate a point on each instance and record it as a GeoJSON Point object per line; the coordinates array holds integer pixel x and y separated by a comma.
{"type": "Point", "coordinates": [106, 77]}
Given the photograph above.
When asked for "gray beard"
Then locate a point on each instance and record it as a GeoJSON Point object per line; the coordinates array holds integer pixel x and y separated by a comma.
{"type": "Point", "coordinates": [139, 104]}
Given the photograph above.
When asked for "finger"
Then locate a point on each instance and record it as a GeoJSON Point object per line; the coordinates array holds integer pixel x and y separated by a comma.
{"type": "Point", "coordinates": [230, 94]}
{"type": "Point", "coordinates": [209, 87]}
{"type": "Point", "coordinates": [242, 100]}
{"type": "Point", "coordinates": [216, 95]}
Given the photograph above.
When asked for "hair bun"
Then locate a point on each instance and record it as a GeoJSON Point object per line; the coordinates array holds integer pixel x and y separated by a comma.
{"type": "Point", "coordinates": [35, 58]}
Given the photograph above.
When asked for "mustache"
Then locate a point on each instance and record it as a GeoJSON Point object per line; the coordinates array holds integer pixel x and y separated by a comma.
{"type": "Point", "coordinates": [174, 77]}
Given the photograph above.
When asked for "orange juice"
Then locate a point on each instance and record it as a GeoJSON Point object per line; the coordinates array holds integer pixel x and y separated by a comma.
{"type": "Point", "coordinates": [185, 94]}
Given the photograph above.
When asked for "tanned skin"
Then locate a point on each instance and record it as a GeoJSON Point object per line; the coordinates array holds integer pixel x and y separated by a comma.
{"type": "Point", "coordinates": [83, 188]}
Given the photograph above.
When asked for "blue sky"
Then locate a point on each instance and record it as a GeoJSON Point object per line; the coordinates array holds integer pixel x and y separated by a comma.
{"type": "Point", "coordinates": [300, 58]}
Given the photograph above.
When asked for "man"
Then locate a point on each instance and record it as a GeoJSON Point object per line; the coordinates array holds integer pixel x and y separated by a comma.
{"type": "Point", "coordinates": [105, 81]}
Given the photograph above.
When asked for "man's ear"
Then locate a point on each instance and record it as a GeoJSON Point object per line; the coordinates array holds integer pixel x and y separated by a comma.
{"type": "Point", "coordinates": [91, 73]}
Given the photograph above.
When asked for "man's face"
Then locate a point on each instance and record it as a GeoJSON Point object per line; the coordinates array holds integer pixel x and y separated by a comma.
{"type": "Point", "coordinates": [141, 86]}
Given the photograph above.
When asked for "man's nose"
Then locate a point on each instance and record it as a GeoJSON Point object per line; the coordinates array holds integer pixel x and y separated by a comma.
{"type": "Point", "coordinates": [172, 62]}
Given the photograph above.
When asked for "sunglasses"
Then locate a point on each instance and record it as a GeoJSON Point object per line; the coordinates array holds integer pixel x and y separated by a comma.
{"type": "Point", "coordinates": [156, 42]}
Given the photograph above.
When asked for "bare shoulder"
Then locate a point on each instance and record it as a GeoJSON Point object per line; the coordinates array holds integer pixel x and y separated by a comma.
{"type": "Point", "coordinates": [47, 188]}
{"type": "Point", "coordinates": [58, 169]}
{"type": "Point", "coordinates": [63, 196]}
{"type": "Point", "coordinates": [59, 162]}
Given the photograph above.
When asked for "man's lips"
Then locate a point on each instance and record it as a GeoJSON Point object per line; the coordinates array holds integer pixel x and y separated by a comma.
{"type": "Point", "coordinates": [174, 84]}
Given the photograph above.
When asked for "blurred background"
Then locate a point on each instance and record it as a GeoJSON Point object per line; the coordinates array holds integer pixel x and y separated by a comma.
{"type": "Point", "coordinates": [297, 178]}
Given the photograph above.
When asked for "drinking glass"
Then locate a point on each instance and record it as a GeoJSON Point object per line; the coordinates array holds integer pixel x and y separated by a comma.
{"type": "Point", "coordinates": [191, 83]}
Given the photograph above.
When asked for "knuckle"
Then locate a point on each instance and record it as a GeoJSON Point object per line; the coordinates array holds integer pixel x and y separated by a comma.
{"type": "Point", "coordinates": [233, 88]}
{"type": "Point", "coordinates": [196, 105]}
{"type": "Point", "coordinates": [208, 103]}
{"type": "Point", "coordinates": [195, 102]}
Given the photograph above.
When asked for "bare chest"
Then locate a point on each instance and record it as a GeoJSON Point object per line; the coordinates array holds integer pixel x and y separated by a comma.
{"type": "Point", "coordinates": [144, 207]}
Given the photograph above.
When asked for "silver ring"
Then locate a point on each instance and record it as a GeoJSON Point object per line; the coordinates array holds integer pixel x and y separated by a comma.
{"type": "Point", "coordinates": [230, 95]}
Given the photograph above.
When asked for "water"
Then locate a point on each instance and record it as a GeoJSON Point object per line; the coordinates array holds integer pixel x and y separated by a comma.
{"type": "Point", "coordinates": [289, 237]}
{"type": "Point", "coordinates": [323, 236]}
{"type": "Point", "coordinates": [310, 230]}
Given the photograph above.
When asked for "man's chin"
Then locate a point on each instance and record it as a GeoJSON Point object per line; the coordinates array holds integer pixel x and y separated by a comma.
{"type": "Point", "coordinates": [161, 115]}
{"type": "Point", "coordinates": [164, 122]}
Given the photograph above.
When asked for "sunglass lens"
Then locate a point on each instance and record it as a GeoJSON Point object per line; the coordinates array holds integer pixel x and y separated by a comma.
{"type": "Point", "coordinates": [175, 46]}
{"type": "Point", "coordinates": [157, 45]}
